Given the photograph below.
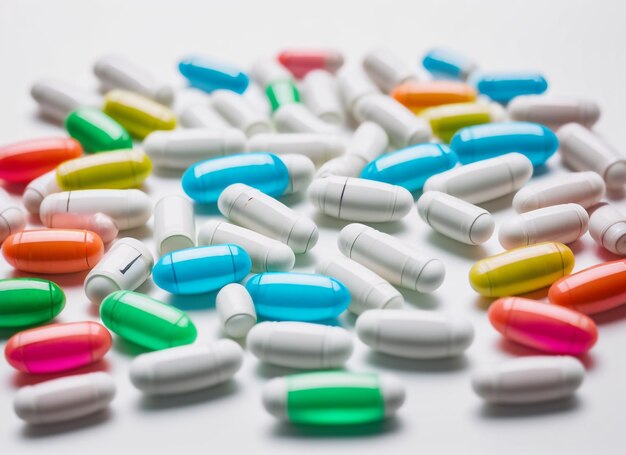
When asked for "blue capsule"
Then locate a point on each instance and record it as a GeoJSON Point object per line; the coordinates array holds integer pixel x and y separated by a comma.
{"type": "Point", "coordinates": [503, 87]}
{"type": "Point", "coordinates": [480, 142]}
{"type": "Point", "coordinates": [297, 296]}
{"type": "Point", "coordinates": [448, 64]}
{"type": "Point", "coordinates": [412, 166]}
{"type": "Point", "coordinates": [209, 75]}
{"type": "Point", "coordinates": [201, 269]}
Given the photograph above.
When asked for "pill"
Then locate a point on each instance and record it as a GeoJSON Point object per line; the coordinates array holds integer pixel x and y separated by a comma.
{"type": "Point", "coordinates": [297, 118]}
{"type": "Point", "coordinates": [319, 148]}
{"type": "Point", "coordinates": [180, 149]}
{"type": "Point", "coordinates": [582, 188]}
{"type": "Point", "coordinates": [504, 86]}
{"type": "Point", "coordinates": [53, 250]}
{"type": "Point", "coordinates": [483, 180]}
{"type": "Point", "coordinates": [57, 347]}
{"type": "Point", "coordinates": [448, 63]}
{"type": "Point", "coordinates": [239, 113]}
{"type": "Point", "coordinates": [276, 81]}
{"type": "Point", "coordinates": [174, 224]}
{"type": "Point", "coordinates": [252, 209]}
{"type": "Point", "coordinates": [24, 161]}
{"type": "Point", "coordinates": [415, 334]}
{"type": "Point", "coordinates": [447, 119]}
{"type": "Point", "coordinates": [607, 226]}
{"type": "Point", "coordinates": [100, 224]}
{"type": "Point", "coordinates": [57, 98]}
{"type": "Point", "coordinates": [29, 301]}
{"type": "Point", "coordinates": [521, 270]}
{"type": "Point", "coordinates": [410, 167]}
{"type": "Point", "coordinates": [138, 114]}
{"type": "Point", "coordinates": [402, 126]}
{"type": "Point", "coordinates": [386, 69]}
{"type": "Point", "coordinates": [553, 111]}
{"type": "Point", "coordinates": [185, 369]}
{"type": "Point", "coordinates": [294, 296]}
{"type": "Point", "coordinates": [300, 62]}
{"type": "Point", "coordinates": [38, 189]}
{"type": "Point", "coordinates": [321, 96]}
{"type": "Point", "coordinates": [355, 199]}
{"type": "Point", "coordinates": [209, 74]}
{"type": "Point", "coordinates": [12, 218]}
{"type": "Point", "coordinates": [266, 254]}
{"type": "Point", "coordinates": [257, 99]}
{"type": "Point", "coordinates": [113, 170]}
{"type": "Point", "coordinates": [532, 379]}
{"type": "Point", "coordinates": [480, 142]}
{"type": "Point", "coordinates": [300, 345]}
{"type": "Point", "coordinates": [583, 150]}
{"type": "Point", "coordinates": [204, 181]}
{"type": "Point", "coordinates": [563, 223]}
{"type": "Point", "coordinates": [333, 398]}
{"type": "Point", "coordinates": [353, 85]}
{"type": "Point", "coordinates": [236, 310]}
{"type": "Point", "coordinates": [397, 262]}
{"type": "Point", "coordinates": [592, 290]}
{"type": "Point", "coordinates": [117, 71]}
{"type": "Point", "coordinates": [368, 290]}
{"type": "Point", "coordinates": [202, 116]}
{"type": "Point", "coordinates": [96, 131]}
{"type": "Point", "coordinates": [421, 95]}
{"type": "Point", "coordinates": [126, 266]}
{"type": "Point", "coordinates": [146, 321]}
{"type": "Point", "coordinates": [456, 218]}
{"type": "Point", "coordinates": [128, 208]}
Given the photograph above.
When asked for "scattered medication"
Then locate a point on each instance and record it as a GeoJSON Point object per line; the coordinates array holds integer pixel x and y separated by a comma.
{"type": "Point", "coordinates": [553, 111]}
{"type": "Point", "coordinates": [503, 87]}
{"type": "Point", "coordinates": [300, 62]}
{"type": "Point", "coordinates": [236, 310]}
{"type": "Point", "coordinates": [607, 226]}
{"type": "Point", "coordinates": [174, 224]}
{"type": "Point", "coordinates": [319, 148]}
{"type": "Point", "coordinates": [38, 189]}
{"type": "Point", "coordinates": [209, 74]}
{"type": "Point", "coordinates": [57, 98]}
{"type": "Point", "coordinates": [447, 119]}
{"type": "Point", "coordinates": [448, 63]}
{"type": "Point", "coordinates": [386, 69]}
{"type": "Point", "coordinates": [29, 301]}
{"type": "Point", "coordinates": [418, 96]}
{"type": "Point", "coordinates": [96, 131]}
{"type": "Point", "coordinates": [321, 96]}
{"type": "Point", "coordinates": [12, 218]}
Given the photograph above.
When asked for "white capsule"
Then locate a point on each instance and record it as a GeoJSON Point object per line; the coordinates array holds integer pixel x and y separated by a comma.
{"type": "Point", "coordinates": [174, 224]}
{"type": "Point", "coordinates": [116, 71]}
{"type": "Point", "coordinates": [236, 310]}
{"type": "Point", "coordinates": [63, 399]}
{"type": "Point", "coordinates": [415, 334]}
{"type": "Point", "coordinates": [57, 99]}
{"type": "Point", "coordinates": [455, 218]}
{"type": "Point", "coordinates": [202, 116]}
{"type": "Point", "coordinates": [267, 254]}
{"type": "Point", "coordinates": [38, 189]}
{"type": "Point", "coordinates": [255, 210]}
{"type": "Point", "coordinates": [240, 113]}
{"type": "Point", "coordinates": [532, 379]}
{"type": "Point", "coordinates": [563, 223]}
{"type": "Point", "coordinates": [582, 188]}
{"type": "Point", "coordinates": [354, 84]}
{"type": "Point", "coordinates": [257, 99]}
{"type": "Point", "coordinates": [268, 70]}
{"type": "Point", "coordinates": [553, 111]}
{"type": "Point", "coordinates": [397, 262]}
{"type": "Point", "coordinates": [297, 118]}
{"type": "Point", "coordinates": [320, 95]}
{"type": "Point", "coordinates": [319, 148]}
{"type": "Point", "coordinates": [355, 199]}
{"type": "Point", "coordinates": [128, 208]}
{"type": "Point", "coordinates": [386, 69]}
{"type": "Point", "coordinates": [186, 369]}
{"type": "Point", "coordinates": [607, 226]}
{"type": "Point", "coordinates": [301, 171]}
{"type": "Point", "coordinates": [12, 218]}
{"type": "Point", "coordinates": [101, 224]}
{"type": "Point", "coordinates": [484, 180]}
{"type": "Point", "coordinates": [402, 126]}
{"type": "Point", "coordinates": [368, 291]}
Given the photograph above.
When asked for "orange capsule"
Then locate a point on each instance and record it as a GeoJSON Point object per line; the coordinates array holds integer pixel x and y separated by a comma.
{"type": "Point", "coordinates": [53, 250]}
{"type": "Point", "coordinates": [421, 95]}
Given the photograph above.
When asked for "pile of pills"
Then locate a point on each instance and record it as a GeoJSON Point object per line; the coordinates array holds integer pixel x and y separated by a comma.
{"type": "Point", "coordinates": [361, 141]}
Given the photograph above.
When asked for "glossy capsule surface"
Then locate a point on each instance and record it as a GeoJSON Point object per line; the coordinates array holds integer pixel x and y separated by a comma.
{"type": "Point", "coordinates": [302, 61]}
{"type": "Point", "coordinates": [448, 63]}
{"type": "Point", "coordinates": [421, 95]}
{"type": "Point", "coordinates": [96, 131]}
{"type": "Point", "coordinates": [503, 87]}
{"type": "Point", "coordinates": [208, 74]}
{"type": "Point", "coordinates": [29, 301]}
{"type": "Point", "coordinates": [447, 119]}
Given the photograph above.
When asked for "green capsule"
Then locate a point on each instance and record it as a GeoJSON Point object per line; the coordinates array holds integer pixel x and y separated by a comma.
{"type": "Point", "coordinates": [96, 131]}
{"type": "Point", "coordinates": [146, 321]}
{"type": "Point", "coordinates": [29, 301]}
{"type": "Point", "coordinates": [281, 93]}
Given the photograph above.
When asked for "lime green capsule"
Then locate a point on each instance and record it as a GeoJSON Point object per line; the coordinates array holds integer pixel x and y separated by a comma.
{"type": "Point", "coordinates": [146, 321]}
{"type": "Point", "coordinates": [29, 301]}
{"type": "Point", "coordinates": [96, 131]}
{"type": "Point", "coordinates": [282, 92]}
{"type": "Point", "coordinates": [138, 114]}
{"type": "Point", "coordinates": [447, 119]}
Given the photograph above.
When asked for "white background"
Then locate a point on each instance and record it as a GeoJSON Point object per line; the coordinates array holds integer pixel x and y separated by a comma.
{"type": "Point", "coordinates": [578, 45]}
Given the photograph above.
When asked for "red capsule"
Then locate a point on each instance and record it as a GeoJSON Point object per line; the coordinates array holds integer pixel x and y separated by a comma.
{"type": "Point", "coordinates": [300, 61]}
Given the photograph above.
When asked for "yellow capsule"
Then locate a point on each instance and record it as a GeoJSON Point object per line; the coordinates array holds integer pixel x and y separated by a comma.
{"type": "Point", "coordinates": [120, 169]}
{"type": "Point", "coordinates": [446, 120]}
{"type": "Point", "coordinates": [138, 114]}
{"type": "Point", "coordinates": [521, 270]}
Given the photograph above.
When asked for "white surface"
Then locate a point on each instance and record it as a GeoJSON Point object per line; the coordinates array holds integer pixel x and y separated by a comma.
{"type": "Point", "coordinates": [579, 46]}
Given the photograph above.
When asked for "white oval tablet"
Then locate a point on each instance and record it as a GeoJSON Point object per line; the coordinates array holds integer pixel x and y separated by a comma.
{"type": "Point", "coordinates": [319, 148]}
{"type": "Point", "coordinates": [174, 224]}
{"type": "Point", "coordinates": [239, 112]}
{"type": "Point", "coordinates": [386, 69]}
{"type": "Point", "coordinates": [553, 111]}
{"type": "Point", "coordinates": [236, 310]}
{"type": "Point", "coordinates": [607, 226]}
{"type": "Point", "coordinates": [57, 99]}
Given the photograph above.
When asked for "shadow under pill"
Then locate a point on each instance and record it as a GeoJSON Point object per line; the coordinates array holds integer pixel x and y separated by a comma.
{"type": "Point", "coordinates": [473, 252]}
{"type": "Point", "coordinates": [140, 233]}
{"type": "Point", "coordinates": [293, 198]}
{"type": "Point", "coordinates": [305, 260]}
{"type": "Point", "coordinates": [495, 205]}
{"type": "Point", "coordinates": [493, 411]}
{"type": "Point", "coordinates": [168, 173]}
{"type": "Point", "coordinates": [422, 301]}
{"type": "Point", "coordinates": [206, 209]}
{"type": "Point", "coordinates": [64, 280]}
{"type": "Point", "coordinates": [483, 303]}
{"type": "Point", "coordinates": [451, 364]}
{"type": "Point", "coordinates": [193, 302]}
{"type": "Point", "coordinates": [83, 423]}
{"type": "Point", "coordinates": [608, 317]}
{"type": "Point", "coordinates": [606, 255]}
{"type": "Point", "coordinates": [267, 371]}
{"type": "Point", "coordinates": [328, 222]}
{"type": "Point", "coordinates": [518, 350]}
{"type": "Point", "coordinates": [158, 403]}
{"type": "Point", "coordinates": [128, 348]}
{"type": "Point", "coordinates": [288, 430]}
{"type": "Point", "coordinates": [391, 227]}
{"type": "Point", "coordinates": [541, 169]}
{"type": "Point", "coordinates": [20, 379]}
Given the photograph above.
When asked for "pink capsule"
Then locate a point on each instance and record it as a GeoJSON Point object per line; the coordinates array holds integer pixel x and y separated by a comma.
{"type": "Point", "coordinates": [99, 223]}
{"type": "Point", "coordinates": [300, 61]}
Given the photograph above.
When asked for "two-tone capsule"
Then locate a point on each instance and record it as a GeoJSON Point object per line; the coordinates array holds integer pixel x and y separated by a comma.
{"type": "Point", "coordinates": [447, 119]}
{"type": "Point", "coordinates": [209, 74]}
{"type": "Point", "coordinates": [29, 301]}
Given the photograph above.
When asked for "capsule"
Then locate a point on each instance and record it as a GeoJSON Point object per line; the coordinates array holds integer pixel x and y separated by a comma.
{"type": "Point", "coordinates": [236, 310]}
{"type": "Point", "coordinates": [418, 96]}
{"type": "Point", "coordinates": [202, 115]}
{"type": "Point", "coordinates": [297, 118]}
{"type": "Point", "coordinates": [503, 87]}
{"type": "Point", "coordinates": [57, 347]}
{"type": "Point", "coordinates": [12, 219]}
{"type": "Point", "coordinates": [563, 223]}
{"type": "Point", "coordinates": [333, 398]}
{"type": "Point", "coordinates": [553, 111]}
{"type": "Point", "coordinates": [297, 296]}
{"type": "Point", "coordinates": [257, 99]}
{"type": "Point", "coordinates": [145, 321]}
{"type": "Point", "coordinates": [266, 254]}
{"type": "Point", "coordinates": [525, 380]}
{"type": "Point", "coordinates": [582, 188]}
{"type": "Point", "coordinates": [96, 131]}
{"type": "Point", "coordinates": [320, 95]}
{"type": "Point", "coordinates": [98, 223]}
{"type": "Point", "coordinates": [208, 74]}
{"type": "Point", "coordinates": [415, 334]}
{"type": "Point", "coordinates": [57, 98]}
{"type": "Point", "coordinates": [24, 161]}
{"type": "Point", "coordinates": [354, 85]}
{"type": "Point", "coordinates": [397, 262]}
{"type": "Point", "coordinates": [174, 224]}
{"type": "Point", "coordinates": [412, 166]}
{"type": "Point", "coordinates": [386, 69]}
{"type": "Point", "coordinates": [456, 218]}
{"type": "Point", "coordinates": [239, 113]}
{"type": "Point", "coordinates": [521, 270]}
{"type": "Point", "coordinates": [448, 63]}
{"type": "Point", "coordinates": [355, 199]}
{"type": "Point", "coordinates": [126, 266]}
{"type": "Point", "coordinates": [447, 119]}
{"type": "Point", "coordinates": [319, 148]}
{"type": "Point", "coordinates": [484, 180]}
{"type": "Point", "coordinates": [300, 62]}
{"type": "Point", "coordinates": [53, 250]}
{"type": "Point", "coordinates": [300, 345]}
{"type": "Point", "coordinates": [607, 226]}
{"type": "Point", "coordinates": [277, 82]}
{"type": "Point", "coordinates": [38, 189]}
{"type": "Point", "coordinates": [29, 301]}
{"type": "Point", "coordinates": [138, 114]}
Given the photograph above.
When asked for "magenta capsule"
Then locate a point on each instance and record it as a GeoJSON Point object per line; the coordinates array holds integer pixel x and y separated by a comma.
{"type": "Point", "coordinates": [301, 61]}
